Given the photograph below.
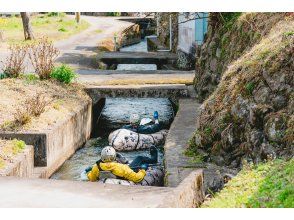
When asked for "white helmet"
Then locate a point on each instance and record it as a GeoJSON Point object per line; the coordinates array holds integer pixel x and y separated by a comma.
{"type": "Point", "coordinates": [134, 118]}
{"type": "Point", "coordinates": [145, 121]}
{"type": "Point", "coordinates": [108, 154]}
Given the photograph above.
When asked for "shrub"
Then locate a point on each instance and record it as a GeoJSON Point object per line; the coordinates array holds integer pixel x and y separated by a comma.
{"type": "Point", "coordinates": [13, 66]}
{"type": "Point", "coordinates": [63, 74]}
{"type": "Point", "coordinates": [30, 78]}
{"type": "Point", "coordinates": [21, 117]}
{"type": "Point", "coordinates": [36, 105]}
{"type": "Point", "coordinates": [3, 76]}
{"type": "Point", "coordinates": [42, 55]}
{"type": "Point", "coordinates": [62, 29]}
{"type": "Point", "coordinates": [52, 14]}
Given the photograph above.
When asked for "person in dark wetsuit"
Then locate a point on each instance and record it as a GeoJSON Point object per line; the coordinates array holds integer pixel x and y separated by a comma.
{"type": "Point", "coordinates": [147, 126]}
{"type": "Point", "coordinates": [143, 161]}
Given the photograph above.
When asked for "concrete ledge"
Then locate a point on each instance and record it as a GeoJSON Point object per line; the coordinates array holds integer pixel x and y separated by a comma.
{"type": "Point", "coordinates": [189, 194]}
{"type": "Point", "coordinates": [140, 91]}
{"type": "Point", "coordinates": [177, 165]}
{"type": "Point", "coordinates": [21, 192]}
{"type": "Point", "coordinates": [22, 166]}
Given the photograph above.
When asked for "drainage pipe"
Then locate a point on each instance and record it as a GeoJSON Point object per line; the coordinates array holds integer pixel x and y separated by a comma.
{"type": "Point", "coordinates": [170, 35]}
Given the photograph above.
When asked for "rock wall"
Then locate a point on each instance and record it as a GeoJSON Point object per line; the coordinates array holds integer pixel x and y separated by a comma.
{"type": "Point", "coordinates": [227, 39]}
{"type": "Point", "coordinates": [250, 113]}
{"type": "Point", "coordinates": [163, 29]}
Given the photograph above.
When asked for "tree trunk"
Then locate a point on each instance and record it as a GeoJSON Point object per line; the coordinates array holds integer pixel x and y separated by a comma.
{"type": "Point", "coordinates": [27, 28]}
{"type": "Point", "coordinates": [78, 17]}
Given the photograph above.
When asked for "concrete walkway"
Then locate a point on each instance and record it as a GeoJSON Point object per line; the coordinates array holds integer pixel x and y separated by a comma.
{"type": "Point", "coordinates": [20, 192]}
{"type": "Point", "coordinates": [177, 165]}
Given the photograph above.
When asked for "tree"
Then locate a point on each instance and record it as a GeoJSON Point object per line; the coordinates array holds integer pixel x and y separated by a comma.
{"type": "Point", "coordinates": [27, 28]}
{"type": "Point", "coordinates": [78, 17]}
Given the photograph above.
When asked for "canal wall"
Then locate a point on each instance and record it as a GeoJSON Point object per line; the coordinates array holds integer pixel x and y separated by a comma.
{"type": "Point", "coordinates": [177, 165]}
{"type": "Point", "coordinates": [54, 145]}
{"type": "Point", "coordinates": [22, 164]}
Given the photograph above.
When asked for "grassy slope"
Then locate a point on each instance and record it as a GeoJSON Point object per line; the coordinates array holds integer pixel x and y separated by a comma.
{"type": "Point", "coordinates": [54, 27]}
{"type": "Point", "coordinates": [267, 185]}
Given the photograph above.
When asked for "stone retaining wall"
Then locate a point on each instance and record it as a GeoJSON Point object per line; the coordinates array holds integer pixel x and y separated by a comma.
{"type": "Point", "coordinates": [22, 165]}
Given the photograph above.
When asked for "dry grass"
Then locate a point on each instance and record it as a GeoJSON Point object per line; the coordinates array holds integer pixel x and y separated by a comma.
{"type": "Point", "coordinates": [8, 150]}
{"type": "Point", "coordinates": [64, 99]}
{"type": "Point", "coordinates": [106, 45]}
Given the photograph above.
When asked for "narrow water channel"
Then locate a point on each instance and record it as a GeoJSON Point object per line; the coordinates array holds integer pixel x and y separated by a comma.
{"type": "Point", "coordinates": [115, 114]}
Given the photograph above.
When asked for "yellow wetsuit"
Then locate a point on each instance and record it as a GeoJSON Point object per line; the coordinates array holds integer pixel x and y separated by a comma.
{"type": "Point", "coordinates": [118, 169]}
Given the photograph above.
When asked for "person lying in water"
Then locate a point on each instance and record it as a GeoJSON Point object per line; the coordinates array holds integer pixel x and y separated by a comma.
{"type": "Point", "coordinates": [108, 163]}
{"type": "Point", "coordinates": [145, 126]}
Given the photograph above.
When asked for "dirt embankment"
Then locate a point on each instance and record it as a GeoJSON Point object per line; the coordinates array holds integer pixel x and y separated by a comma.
{"type": "Point", "coordinates": [60, 101]}
{"type": "Point", "coordinates": [250, 113]}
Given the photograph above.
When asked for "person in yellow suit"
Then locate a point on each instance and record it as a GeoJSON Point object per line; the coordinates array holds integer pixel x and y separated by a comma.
{"type": "Point", "coordinates": [108, 163]}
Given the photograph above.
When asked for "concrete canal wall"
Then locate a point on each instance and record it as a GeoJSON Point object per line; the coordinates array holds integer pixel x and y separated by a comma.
{"type": "Point", "coordinates": [22, 165]}
{"type": "Point", "coordinates": [54, 145]}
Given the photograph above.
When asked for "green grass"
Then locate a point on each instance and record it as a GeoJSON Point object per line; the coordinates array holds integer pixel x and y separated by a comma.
{"type": "Point", "coordinates": [54, 27]}
{"type": "Point", "coordinates": [18, 146]}
{"type": "Point", "coordinates": [267, 185]}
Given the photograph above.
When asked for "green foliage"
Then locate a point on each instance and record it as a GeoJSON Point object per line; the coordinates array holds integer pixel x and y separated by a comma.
{"type": "Point", "coordinates": [3, 76]}
{"type": "Point", "coordinates": [63, 74]}
{"type": "Point", "coordinates": [62, 29]}
{"type": "Point", "coordinates": [113, 13]}
{"type": "Point", "coordinates": [192, 152]}
{"type": "Point", "coordinates": [30, 78]}
{"type": "Point", "coordinates": [288, 33]}
{"type": "Point", "coordinates": [18, 146]}
{"type": "Point", "coordinates": [52, 14]}
{"type": "Point", "coordinates": [265, 185]}
{"type": "Point", "coordinates": [249, 88]}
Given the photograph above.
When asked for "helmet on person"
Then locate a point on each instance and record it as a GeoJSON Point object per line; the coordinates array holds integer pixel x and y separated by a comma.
{"type": "Point", "coordinates": [108, 154]}
{"type": "Point", "coordinates": [145, 121]}
{"type": "Point", "coordinates": [134, 119]}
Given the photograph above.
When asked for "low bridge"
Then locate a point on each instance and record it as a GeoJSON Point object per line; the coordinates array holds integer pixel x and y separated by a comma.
{"type": "Point", "coordinates": [158, 58]}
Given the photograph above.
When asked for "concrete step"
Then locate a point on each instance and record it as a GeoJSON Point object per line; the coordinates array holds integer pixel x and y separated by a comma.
{"type": "Point", "coordinates": [133, 72]}
{"type": "Point", "coordinates": [158, 58]}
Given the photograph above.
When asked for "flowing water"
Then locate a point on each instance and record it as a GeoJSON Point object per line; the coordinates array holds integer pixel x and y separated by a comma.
{"type": "Point", "coordinates": [115, 114]}
{"type": "Point", "coordinates": [140, 47]}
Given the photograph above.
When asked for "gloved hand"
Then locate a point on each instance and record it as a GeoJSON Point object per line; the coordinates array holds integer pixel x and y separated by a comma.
{"type": "Point", "coordinates": [88, 169]}
{"type": "Point", "coordinates": [144, 166]}
{"type": "Point", "coordinates": [155, 115]}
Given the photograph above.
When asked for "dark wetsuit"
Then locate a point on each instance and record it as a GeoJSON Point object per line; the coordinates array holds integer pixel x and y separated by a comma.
{"type": "Point", "coordinates": [140, 160]}
{"type": "Point", "coordinates": [144, 129]}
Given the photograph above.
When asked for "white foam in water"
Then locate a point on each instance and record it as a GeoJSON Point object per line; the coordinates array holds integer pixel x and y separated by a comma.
{"type": "Point", "coordinates": [140, 47]}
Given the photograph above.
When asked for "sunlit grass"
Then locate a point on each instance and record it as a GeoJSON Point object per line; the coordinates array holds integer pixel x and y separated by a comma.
{"type": "Point", "coordinates": [269, 184]}
{"type": "Point", "coordinates": [53, 27]}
